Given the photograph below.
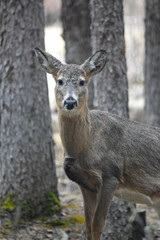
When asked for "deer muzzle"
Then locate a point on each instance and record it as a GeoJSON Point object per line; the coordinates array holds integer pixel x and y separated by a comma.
{"type": "Point", "coordinates": [70, 104]}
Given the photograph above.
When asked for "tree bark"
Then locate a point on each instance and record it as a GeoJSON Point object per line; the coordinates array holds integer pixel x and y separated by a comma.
{"type": "Point", "coordinates": [107, 31]}
{"type": "Point", "coordinates": [76, 30]}
{"type": "Point", "coordinates": [110, 93]}
{"type": "Point", "coordinates": [27, 153]}
{"type": "Point", "coordinates": [76, 33]}
{"type": "Point", "coordinates": [152, 62]}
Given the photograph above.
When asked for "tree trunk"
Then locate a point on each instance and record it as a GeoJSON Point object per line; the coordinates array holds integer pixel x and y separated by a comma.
{"type": "Point", "coordinates": [110, 89]}
{"type": "Point", "coordinates": [152, 62]}
{"type": "Point", "coordinates": [27, 153]}
{"type": "Point", "coordinates": [107, 31]}
{"type": "Point", "coordinates": [76, 32]}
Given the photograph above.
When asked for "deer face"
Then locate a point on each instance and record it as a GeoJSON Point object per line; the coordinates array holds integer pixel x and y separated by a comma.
{"type": "Point", "coordinates": [71, 80]}
{"type": "Point", "coordinates": [71, 89]}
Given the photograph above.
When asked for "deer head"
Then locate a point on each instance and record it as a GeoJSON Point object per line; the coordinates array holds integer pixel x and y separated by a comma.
{"type": "Point", "coordinates": [71, 80]}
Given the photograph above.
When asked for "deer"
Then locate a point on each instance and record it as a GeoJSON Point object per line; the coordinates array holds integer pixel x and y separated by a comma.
{"type": "Point", "coordinates": [105, 154]}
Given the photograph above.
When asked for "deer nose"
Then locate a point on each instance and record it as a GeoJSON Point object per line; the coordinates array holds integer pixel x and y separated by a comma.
{"type": "Point", "coordinates": [70, 103]}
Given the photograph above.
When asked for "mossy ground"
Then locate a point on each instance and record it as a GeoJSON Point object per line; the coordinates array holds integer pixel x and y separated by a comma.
{"type": "Point", "coordinates": [51, 216]}
{"type": "Point", "coordinates": [67, 221]}
{"type": "Point", "coordinates": [27, 211]}
{"type": "Point", "coordinates": [7, 228]}
{"type": "Point", "coordinates": [51, 205]}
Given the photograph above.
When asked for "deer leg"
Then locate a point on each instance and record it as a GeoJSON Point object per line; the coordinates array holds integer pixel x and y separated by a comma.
{"type": "Point", "coordinates": [88, 179]}
{"type": "Point", "coordinates": [104, 200]}
{"type": "Point", "coordinates": [90, 202]}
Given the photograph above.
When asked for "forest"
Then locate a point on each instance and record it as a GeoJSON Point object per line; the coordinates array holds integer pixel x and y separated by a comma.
{"type": "Point", "coordinates": [37, 200]}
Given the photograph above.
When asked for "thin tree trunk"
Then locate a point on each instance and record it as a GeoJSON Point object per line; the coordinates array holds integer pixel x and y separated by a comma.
{"type": "Point", "coordinates": [76, 32]}
{"type": "Point", "coordinates": [27, 153]}
{"type": "Point", "coordinates": [152, 62]}
{"type": "Point", "coordinates": [110, 89]}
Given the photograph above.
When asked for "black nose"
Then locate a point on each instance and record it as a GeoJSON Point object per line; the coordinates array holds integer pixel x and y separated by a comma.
{"type": "Point", "coordinates": [70, 103]}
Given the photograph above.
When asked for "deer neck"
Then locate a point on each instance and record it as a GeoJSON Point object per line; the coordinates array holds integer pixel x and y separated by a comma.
{"type": "Point", "coordinates": [75, 133]}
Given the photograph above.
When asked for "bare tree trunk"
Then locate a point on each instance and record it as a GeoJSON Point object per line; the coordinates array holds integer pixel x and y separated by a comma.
{"type": "Point", "coordinates": [108, 32]}
{"type": "Point", "coordinates": [152, 62]}
{"type": "Point", "coordinates": [110, 89]}
{"type": "Point", "coordinates": [76, 32]}
{"type": "Point", "coordinates": [27, 153]}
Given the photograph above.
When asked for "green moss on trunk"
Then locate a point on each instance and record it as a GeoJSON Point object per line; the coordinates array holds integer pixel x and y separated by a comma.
{"type": "Point", "coordinates": [52, 205]}
{"type": "Point", "coordinates": [28, 208]}
{"type": "Point", "coordinates": [9, 204]}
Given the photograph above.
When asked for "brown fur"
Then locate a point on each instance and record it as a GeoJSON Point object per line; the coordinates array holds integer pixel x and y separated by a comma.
{"type": "Point", "coordinates": [104, 153]}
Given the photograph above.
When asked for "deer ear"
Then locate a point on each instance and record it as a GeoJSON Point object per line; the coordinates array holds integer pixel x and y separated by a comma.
{"type": "Point", "coordinates": [48, 63]}
{"type": "Point", "coordinates": [95, 63]}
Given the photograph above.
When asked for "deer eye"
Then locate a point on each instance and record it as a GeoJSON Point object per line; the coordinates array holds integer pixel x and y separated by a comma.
{"type": "Point", "coordinates": [60, 82]}
{"type": "Point", "coordinates": [81, 83]}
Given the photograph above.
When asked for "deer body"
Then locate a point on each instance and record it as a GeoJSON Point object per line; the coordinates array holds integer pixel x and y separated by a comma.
{"type": "Point", "coordinates": [104, 153]}
{"type": "Point", "coordinates": [124, 149]}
